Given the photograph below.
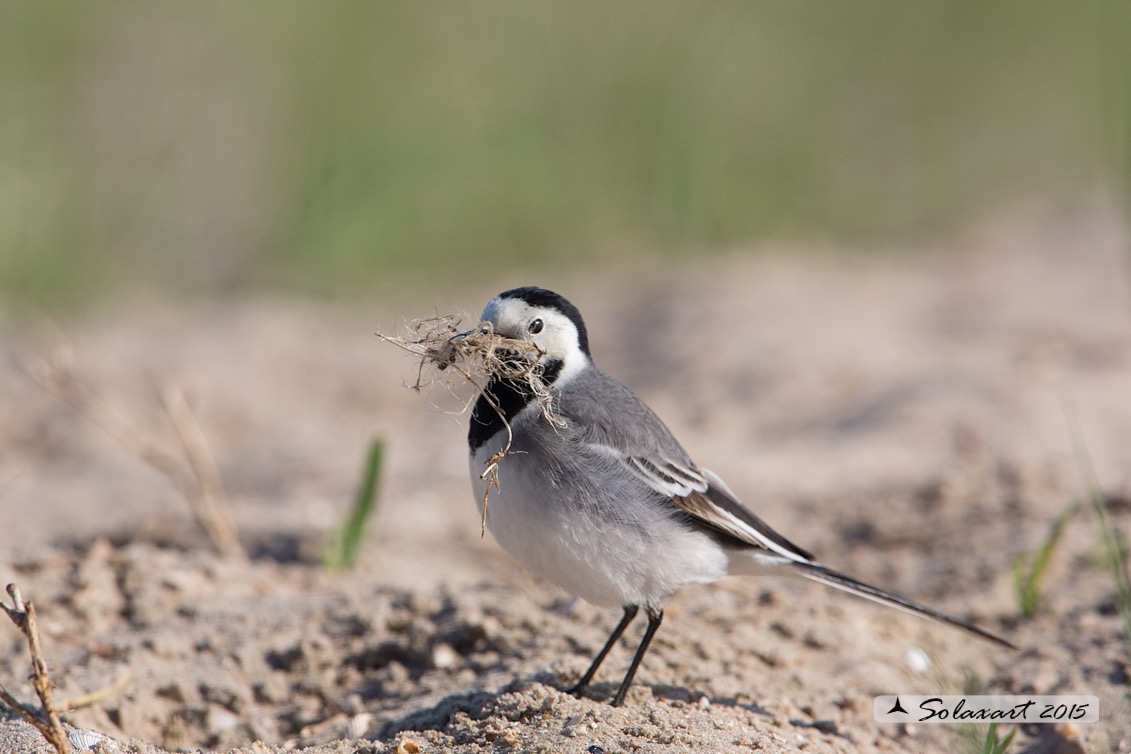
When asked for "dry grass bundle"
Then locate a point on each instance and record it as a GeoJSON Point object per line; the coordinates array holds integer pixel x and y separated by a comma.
{"type": "Point", "coordinates": [477, 355]}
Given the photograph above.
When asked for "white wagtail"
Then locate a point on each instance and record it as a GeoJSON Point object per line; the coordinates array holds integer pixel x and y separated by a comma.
{"type": "Point", "coordinates": [603, 501]}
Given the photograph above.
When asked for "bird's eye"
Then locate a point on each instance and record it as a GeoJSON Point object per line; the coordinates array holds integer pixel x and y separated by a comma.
{"type": "Point", "coordinates": [535, 327]}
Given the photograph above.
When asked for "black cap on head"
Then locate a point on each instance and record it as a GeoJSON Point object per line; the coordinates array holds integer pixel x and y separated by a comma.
{"type": "Point", "coordinates": [542, 297]}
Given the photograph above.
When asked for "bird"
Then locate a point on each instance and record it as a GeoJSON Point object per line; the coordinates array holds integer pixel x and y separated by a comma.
{"type": "Point", "coordinates": [594, 493]}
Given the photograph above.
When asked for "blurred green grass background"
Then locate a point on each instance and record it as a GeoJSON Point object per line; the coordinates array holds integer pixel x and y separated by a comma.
{"type": "Point", "coordinates": [350, 148]}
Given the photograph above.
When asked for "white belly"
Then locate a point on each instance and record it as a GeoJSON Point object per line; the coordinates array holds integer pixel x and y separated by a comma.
{"type": "Point", "coordinates": [607, 562]}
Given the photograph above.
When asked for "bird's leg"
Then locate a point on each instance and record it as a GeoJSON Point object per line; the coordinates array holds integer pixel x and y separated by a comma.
{"type": "Point", "coordinates": [629, 614]}
{"type": "Point", "coordinates": [654, 618]}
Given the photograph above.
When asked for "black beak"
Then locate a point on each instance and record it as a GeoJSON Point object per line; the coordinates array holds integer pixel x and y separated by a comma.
{"type": "Point", "coordinates": [461, 335]}
{"type": "Point", "coordinates": [480, 330]}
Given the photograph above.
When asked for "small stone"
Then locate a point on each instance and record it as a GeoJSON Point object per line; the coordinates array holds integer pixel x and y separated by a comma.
{"type": "Point", "coordinates": [220, 720]}
{"type": "Point", "coordinates": [359, 725]}
{"type": "Point", "coordinates": [918, 660]}
{"type": "Point", "coordinates": [443, 656]}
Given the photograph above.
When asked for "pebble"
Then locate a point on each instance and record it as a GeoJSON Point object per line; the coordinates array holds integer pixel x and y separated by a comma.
{"type": "Point", "coordinates": [220, 720]}
{"type": "Point", "coordinates": [918, 660]}
{"type": "Point", "coordinates": [443, 656]}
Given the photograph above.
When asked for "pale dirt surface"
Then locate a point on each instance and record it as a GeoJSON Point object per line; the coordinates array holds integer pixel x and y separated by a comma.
{"type": "Point", "coordinates": [902, 416]}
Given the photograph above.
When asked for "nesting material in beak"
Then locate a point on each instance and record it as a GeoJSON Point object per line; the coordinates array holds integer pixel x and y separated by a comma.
{"type": "Point", "coordinates": [478, 355]}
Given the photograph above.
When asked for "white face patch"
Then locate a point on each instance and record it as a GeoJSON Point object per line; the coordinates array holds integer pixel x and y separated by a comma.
{"type": "Point", "coordinates": [556, 336]}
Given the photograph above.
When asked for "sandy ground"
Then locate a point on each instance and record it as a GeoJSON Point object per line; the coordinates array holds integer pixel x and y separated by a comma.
{"type": "Point", "coordinates": [902, 416]}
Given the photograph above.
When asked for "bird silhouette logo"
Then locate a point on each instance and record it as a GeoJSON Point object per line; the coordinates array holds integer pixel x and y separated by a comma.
{"type": "Point", "coordinates": [897, 707]}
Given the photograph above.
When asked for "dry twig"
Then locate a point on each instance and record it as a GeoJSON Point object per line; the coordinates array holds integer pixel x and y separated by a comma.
{"type": "Point", "coordinates": [94, 697]}
{"type": "Point", "coordinates": [478, 356]}
{"type": "Point", "coordinates": [199, 484]}
{"type": "Point", "coordinates": [23, 615]}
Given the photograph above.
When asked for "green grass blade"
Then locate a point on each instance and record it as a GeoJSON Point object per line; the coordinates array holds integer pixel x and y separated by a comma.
{"type": "Point", "coordinates": [1020, 571]}
{"type": "Point", "coordinates": [1028, 570]}
{"type": "Point", "coordinates": [1006, 742]}
{"type": "Point", "coordinates": [991, 739]}
{"type": "Point", "coordinates": [1114, 552]}
{"type": "Point", "coordinates": [343, 549]}
{"type": "Point", "coordinates": [992, 745]}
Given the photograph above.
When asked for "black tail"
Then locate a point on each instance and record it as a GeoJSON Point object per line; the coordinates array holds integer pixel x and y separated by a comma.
{"type": "Point", "coordinates": [859, 588]}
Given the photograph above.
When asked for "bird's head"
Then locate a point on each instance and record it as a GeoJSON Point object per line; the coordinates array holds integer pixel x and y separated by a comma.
{"type": "Point", "coordinates": [547, 320]}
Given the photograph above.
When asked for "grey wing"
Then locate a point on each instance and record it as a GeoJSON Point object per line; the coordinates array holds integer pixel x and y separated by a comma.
{"type": "Point", "coordinates": [718, 507]}
{"type": "Point", "coordinates": [617, 426]}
